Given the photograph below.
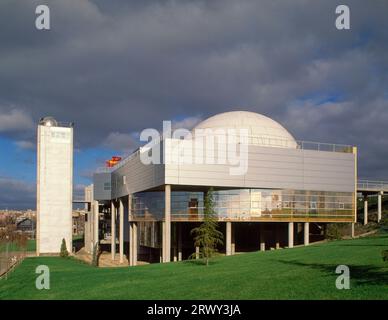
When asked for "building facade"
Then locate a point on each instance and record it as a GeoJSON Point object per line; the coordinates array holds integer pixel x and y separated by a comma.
{"type": "Point", "coordinates": [286, 186]}
{"type": "Point", "coordinates": [54, 186]}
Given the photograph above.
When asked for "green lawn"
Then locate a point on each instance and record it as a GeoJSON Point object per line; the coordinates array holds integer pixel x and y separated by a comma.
{"type": "Point", "coordinates": [299, 273]}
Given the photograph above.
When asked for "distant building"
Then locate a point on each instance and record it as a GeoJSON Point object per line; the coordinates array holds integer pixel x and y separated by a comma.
{"type": "Point", "coordinates": [26, 225]}
{"type": "Point", "coordinates": [54, 186]}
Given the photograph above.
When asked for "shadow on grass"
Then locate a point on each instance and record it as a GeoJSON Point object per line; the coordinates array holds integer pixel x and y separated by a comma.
{"type": "Point", "coordinates": [361, 275]}
{"type": "Point", "coordinates": [200, 262]}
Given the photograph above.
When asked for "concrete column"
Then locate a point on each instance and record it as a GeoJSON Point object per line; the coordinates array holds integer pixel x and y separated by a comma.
{"type": "Point", "coordinates": [352, 230]}
{"type": "Point", "coordinates": [277, 237]}
{"type": "Point", "coordinates": [290, 234]}
{"type": "Point", "coordinates": [113, 230]}
{"type": "Point", "coordinates": [379, 196]}
{"type": "Point", "coordinates": [306, 233]}
{"type": "Point", "coordinates": [179, 242]}
{"type": "Point", "coordinates": [96, 221]}
{"type": "Point", "coordinates": [134, 242]}
{"type": "Point", "coordinates": [365, 209]}
{"type": "Point", "coordinates": [262, 237]}
{"type": "Point", "coordinates": [167, 225]}
{"type": "Point", "coordinates": [130, 243]}
{"type": "Point", "coordinates": [91, 227]}
{"type": "Point", "coordinates": [228, 238]}
{"type": "Point", "coordinates": [121, 231]}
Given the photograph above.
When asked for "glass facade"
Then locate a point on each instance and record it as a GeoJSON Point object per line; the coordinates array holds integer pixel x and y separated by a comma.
{"type": "Point", "coordinates": [247, 204]}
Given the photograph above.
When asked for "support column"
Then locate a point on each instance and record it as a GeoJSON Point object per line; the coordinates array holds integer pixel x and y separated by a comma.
{"type": "Point", "coordinates": [277, 237]}
{"type": "Point", "coordinates": [167, 225]}
{"type": "Point", "coordinates": [379, 196]}
{"type": "Point", "coordinates": [179, 242]}
{"type": "Point", "coordinates": [262, 237]}
{"type": "Point", "coordinates": [95, 223]}
{"type": "Point", "coordinates": [290, 234]}
{"type": "Point", "coordinates": [130, 243]}
{"type": "Point", "coordinates": [306, 233]}
{"type": "Point", "coordinates": [90, 226]}
{"type": "Point", "coordinates": [134, 243]}
{"type": "Point", "coordinates": [113, 230]}
{"type": "Point", "coordinates": [121, 231]}
{"type": "Point", "coordinates": [228, 238]}
{"type": "Point", "coordinates": [365, 209]}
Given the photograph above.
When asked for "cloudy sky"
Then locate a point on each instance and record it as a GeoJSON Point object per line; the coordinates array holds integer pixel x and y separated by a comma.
{"type": "Point", "coordinates": [117, 67]}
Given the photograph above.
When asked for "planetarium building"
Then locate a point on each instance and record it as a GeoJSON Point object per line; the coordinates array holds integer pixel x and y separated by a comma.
{"type": "Point", "coordinates": [283, 195]}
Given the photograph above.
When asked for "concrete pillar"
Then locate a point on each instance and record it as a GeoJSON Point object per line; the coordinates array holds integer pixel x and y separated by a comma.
{"type": "Point", "coordinates": [95, 222]}
{"type": "Point", "coordinates": [352, 230]}
{"type": "Point", "coordinates": [121, 231]}
{"type": "Point", "coordinates": [179, 241]}
{"type": "Point", "coordinates": [90, 226]}
{"type": "Point", "coordinates": [379, 196]}
{"type": "Point", "coordinates": [365, 209]}
{"type": "Point", "coordinates": [130, 255]}
{"type": "Point", "coordinates": [290, 234]}
{"type": "Point", "coordinates": [306, 233]}
{"type": "Point", "coordinates": [262, 237]}
{"type": "Point", "coordinates": [113, 230]}
{"type": "Point", "coordinates": [228, 238]}
{"type": "Point", "coordinates": [167, 225]}
{"type": "Point", "coordinates": [277, 237]}
{"type": "Point", "coordinates": [134, 242]}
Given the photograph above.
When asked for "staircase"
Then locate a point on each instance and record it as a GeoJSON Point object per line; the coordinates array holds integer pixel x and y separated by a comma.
{"type": "Point", "coordinates": [104, 261]}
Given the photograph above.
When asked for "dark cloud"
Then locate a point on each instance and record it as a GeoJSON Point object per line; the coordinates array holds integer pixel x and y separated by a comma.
{"type": "Point", "coordinates": [116, 67]}
{"type": "Point", "coordinates": [16, 193]}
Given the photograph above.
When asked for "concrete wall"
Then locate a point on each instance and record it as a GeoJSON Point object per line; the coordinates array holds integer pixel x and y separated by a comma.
{"type": "Point", "coordinates": [139, 177]}
{"type": "Point", "coordinates": [54, 188]}
{"type": "Point", "coordinates": [101, 181]}
{"type": "Point", "coordinates": [89, 234]}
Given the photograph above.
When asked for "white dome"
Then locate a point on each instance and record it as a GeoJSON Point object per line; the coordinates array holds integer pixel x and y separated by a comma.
{"type": "Point", "coordinates": [262, 130]}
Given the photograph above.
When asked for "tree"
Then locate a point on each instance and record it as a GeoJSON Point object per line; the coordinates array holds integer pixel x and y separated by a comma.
{"type": "Point", "coordinates": [64, 253]}
{"type": "Point", "coordinates": [206, 236]}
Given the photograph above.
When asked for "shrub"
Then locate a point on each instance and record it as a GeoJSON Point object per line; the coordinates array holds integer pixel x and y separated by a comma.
{"type": "Point", "coordinates": [333, 231]}
{"type": "Point", "coordinates": [64, 253]}
{"type": "Point", "coordinates": [384, 254]}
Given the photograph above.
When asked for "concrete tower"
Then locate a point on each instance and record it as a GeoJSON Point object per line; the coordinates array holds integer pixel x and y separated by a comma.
{"type": "Point", "coordinates": [54, 186]}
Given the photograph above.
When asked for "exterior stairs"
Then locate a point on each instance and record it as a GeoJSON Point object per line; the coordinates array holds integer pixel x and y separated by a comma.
{"type": "Point", "coordinates": [104, 261]}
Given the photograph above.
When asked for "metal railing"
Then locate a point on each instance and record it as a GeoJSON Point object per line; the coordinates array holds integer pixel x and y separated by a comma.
{"type": "Point", "coordinates": [323, 146]}
{"type": "Point", "coordinates": [372, 185]}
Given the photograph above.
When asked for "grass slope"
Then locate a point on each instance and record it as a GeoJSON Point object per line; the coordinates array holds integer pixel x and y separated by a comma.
{"type": "Point", "coordinates": [299, 273]}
